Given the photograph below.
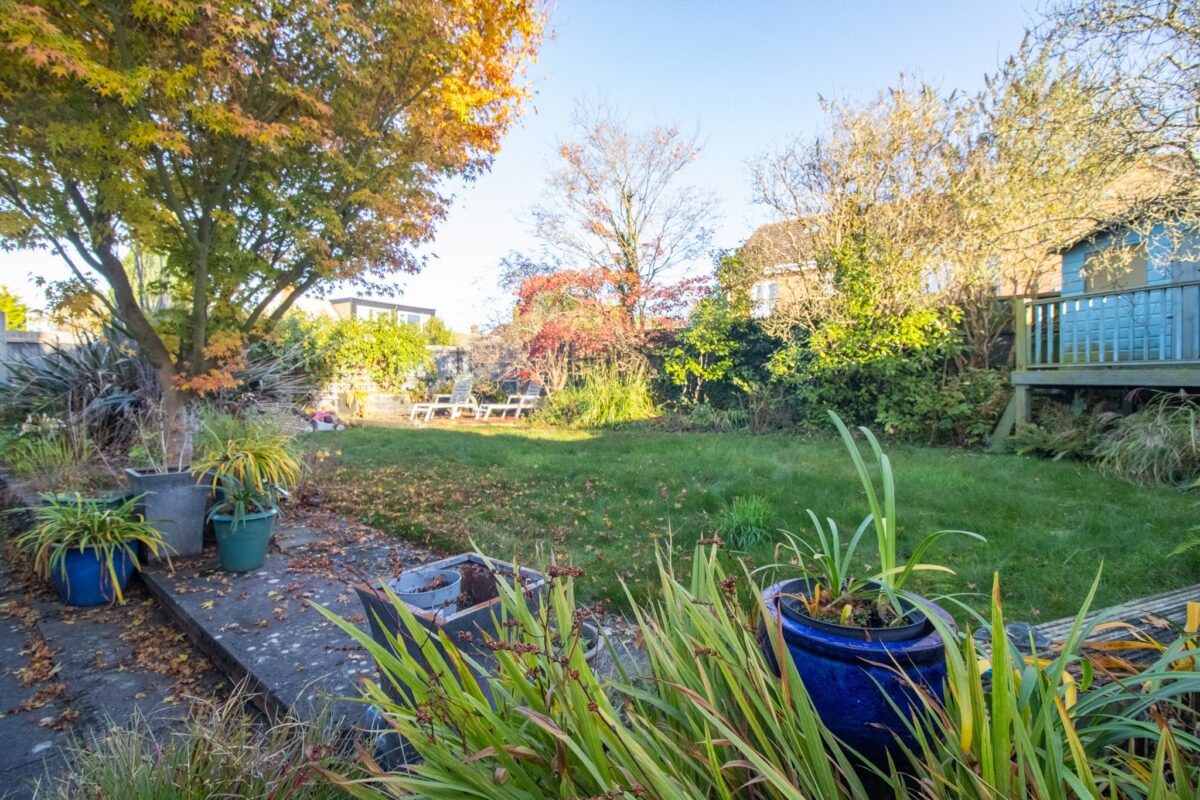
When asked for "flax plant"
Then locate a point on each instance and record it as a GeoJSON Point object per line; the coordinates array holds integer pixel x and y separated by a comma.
{"type": "Point", "coordinates": [882, 517]}
{"type": "Point", "coordinates": [550, 729]}
{"type": "Point", "coordinates": [754, 724]}
{"type": "Point", "coordinates": [1040, 725]}
{"type": "Point", "coordinates": [711, 720]}
{"type": "Point", "coordinates": [830, 559]}
{"type": "Point", "coordinates": [250, 461]}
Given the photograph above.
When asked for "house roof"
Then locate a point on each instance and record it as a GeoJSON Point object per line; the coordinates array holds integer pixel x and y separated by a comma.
{"type": "Point", "coordinates": [1149, 191]}
{"type": "Point", "coordinates": [779, 243]}
{"type": "Point", "coordinates": [1145, 191]}
{"type": "Point", "coordinates": [367, 301]}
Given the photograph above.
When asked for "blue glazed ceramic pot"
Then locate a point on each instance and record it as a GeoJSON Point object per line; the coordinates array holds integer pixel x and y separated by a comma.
{"type": "Point", "coordinates": [83, 578]}
{"type": "Point", "coordinates": [851, 680]}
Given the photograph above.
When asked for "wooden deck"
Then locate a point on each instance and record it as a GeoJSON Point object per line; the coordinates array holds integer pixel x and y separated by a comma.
{"type": "Point", "coordinates": [1147, 337]}
{"type": "Point", "coordinates": [1132, 375]}
{"type": "Point", "coordinates": [1170, 606]}
{"type": "Point", "coordinates": [1160, 617]}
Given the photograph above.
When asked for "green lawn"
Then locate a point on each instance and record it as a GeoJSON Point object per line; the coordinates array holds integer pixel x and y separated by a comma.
{"type": "Point", "coordinates": [604, 499]}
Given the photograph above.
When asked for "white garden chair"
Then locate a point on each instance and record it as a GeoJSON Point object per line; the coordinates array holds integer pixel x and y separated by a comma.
{"type": "Point", "coordinates": [516, 403]}
{"type": "Point", "coordinates": [459, 400]}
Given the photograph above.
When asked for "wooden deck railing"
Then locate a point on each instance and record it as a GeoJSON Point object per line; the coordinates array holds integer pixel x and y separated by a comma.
{"type": "Point", "coordinates": [1155, 325]}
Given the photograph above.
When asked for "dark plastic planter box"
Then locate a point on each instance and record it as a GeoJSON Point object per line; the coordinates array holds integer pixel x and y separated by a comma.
{"type": "Point", "coordinates": [479, 618]}
{"type": "Point", "coordinates": [478, 615]}
{"type": "Point", "coordinates": [109, 500]}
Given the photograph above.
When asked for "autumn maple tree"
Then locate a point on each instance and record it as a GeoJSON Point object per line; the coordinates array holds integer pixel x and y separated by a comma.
{"type": "Point", "coordinates": [264, 148]}
{"type": "Point", "coordinates": [617, 223]}
{"type": "Point", "coordinates": [567, 319]}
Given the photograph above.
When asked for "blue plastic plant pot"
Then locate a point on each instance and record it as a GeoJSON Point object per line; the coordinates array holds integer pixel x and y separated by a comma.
{"type": "Point", "coordinates": [83, 578]}
{"type": "Point", "coordinates": [854, 683]}
{"type": "Point", "coordinates": [242, 546]}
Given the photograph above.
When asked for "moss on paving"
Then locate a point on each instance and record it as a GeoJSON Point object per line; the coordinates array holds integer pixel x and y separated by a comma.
{"type": "Point", "coordinates": [604, 500]}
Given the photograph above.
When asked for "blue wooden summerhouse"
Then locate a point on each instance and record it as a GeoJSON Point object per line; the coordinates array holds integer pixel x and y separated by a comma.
{"type": "Point", "coordinates": [1128, 316]}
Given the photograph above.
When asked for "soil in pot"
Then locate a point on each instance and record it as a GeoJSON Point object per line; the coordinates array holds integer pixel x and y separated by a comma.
{"type": "Point", "coordinates": [868, 619]}
{"type": "Point", "coordinates": [478, 585]}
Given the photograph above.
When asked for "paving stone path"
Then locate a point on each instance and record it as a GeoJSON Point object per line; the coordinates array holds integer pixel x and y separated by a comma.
{"type": "Point", "coordinates": [70, 672]}
{"type": "Point", "coordinates": [262, 626]}
{"type": "Point", "coordinates": [193, 631]}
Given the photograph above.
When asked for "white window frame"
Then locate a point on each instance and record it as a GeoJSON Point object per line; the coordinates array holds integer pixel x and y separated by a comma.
{"type": "Point", "coordinates": [764, 295]}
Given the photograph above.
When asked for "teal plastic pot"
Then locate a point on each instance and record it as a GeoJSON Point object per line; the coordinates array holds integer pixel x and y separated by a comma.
{"type": "Point", "coordinates": [243, 545]}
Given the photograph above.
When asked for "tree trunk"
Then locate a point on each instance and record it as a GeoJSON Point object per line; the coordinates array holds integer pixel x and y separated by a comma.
{"type": "Point", "coordinates": [175, 404]}
{"type": "Point", "coordinates": [199, 310]}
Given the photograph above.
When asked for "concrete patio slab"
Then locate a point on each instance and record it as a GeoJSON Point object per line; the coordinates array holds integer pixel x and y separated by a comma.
{"type": "Point", "coordinates": [261, 626]}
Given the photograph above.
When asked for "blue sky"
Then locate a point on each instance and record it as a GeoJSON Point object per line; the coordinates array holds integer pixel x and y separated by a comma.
{"type": "Point", "coordinates": [748, 75]}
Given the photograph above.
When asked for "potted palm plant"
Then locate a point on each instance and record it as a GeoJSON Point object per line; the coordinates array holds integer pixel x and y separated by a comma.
{"type": "Point", "coordinates": [863, 645]}
{"type": "Point", "coordinates": [89, 550]}
{"type": "Point", "coordinates": [249, 466]}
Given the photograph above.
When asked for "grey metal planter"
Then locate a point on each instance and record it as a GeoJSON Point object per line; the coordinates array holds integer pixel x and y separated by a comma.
{"type": "Point", "coordinates": [431, 589]}
{"type": "Point", "coordinates": [175, 504]}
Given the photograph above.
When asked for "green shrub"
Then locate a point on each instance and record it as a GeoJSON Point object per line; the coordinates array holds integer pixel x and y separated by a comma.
{"type": "Point", "coordinates": [606, 397]}
{"type": "Point", "coordinates": [1063, 431]}
{"type": "Point", "coordinates": [743, 523]}
{"type": "Point", "coordinates": [1160, 443]}
{"type": "Point", "coordinates": [914, 393]}
{"type": "Point", "coordinates": [708, 355]}
{"type": "Point", "coordinates": [51, 456]}
{"type": "Point", "coordinates": [386, 351]}
{"type": "Point", "coordinates": [704, 418]}
{"type": "Point", "coordinates": [223, 751]}
{"type": "Point", "coordinates": [719, 359]}
{"type": "Point", "coordinates": [30, 456]}
{"type": "Point", "coordinates": [960, 408]}
{"type": "Point", "coordinates": [768, 410]}
{"type": "Point", "coordinates": [436, 332]}
{"type": "Point", "coordinates": [99, 383]}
